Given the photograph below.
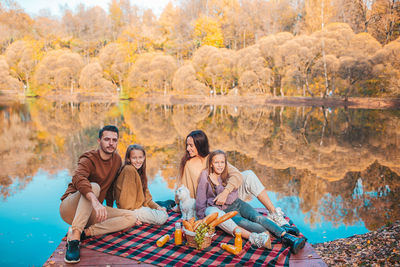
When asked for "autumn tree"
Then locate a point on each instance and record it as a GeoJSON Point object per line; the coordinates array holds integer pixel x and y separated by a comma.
{"type": "Point", "coordinates": [59, 70]}
{"type": "Point", "coordinates": [14, 23]}
{"type": "Point", "coordinates": [91, 79]}
{"type": "Point", "coordinates": [186, 82]}
{"type": "Point", "coordinates": [270, 48]}
{"type": "Point", "coordinates": [384, 20]}
{"type": "Point", "coordinates": [88, 29]}
{"type": "Point", "coordinates": [216, 68]}
{"type": "Point", "coordinates": [207, 31]}
{"type": "Point", "coordinates": [49, 31]}
{"type": "Point", "coordinates": [387, 68]}
{"type": "Point", "coordinates": [352, 12]}
{"type": "Point", "coordinates": [8, 82]}
{"type": "Point", "coordinates": [152, 73]}
{"type": "Point", "coordinates": [317, 14]}
{"type": "Point", "coordinates": [254, 76]}
{"type": "Point", "coordinates": [116, 59]}
{"type": "Point", "coordinates": [22, 57]}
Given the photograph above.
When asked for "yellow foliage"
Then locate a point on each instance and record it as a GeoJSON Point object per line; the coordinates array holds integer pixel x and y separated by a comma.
{"type": "Point", "coordinates": [207, 31]}
{"type": "Point", "coordinates": [60, 142]}
{"type": "Point", "coordinates": [42, 135]}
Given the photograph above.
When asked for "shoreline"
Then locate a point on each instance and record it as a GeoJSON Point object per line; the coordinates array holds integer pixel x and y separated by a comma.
{"type": "Point", "coordinates": [253, 101]}
{"type": "Point", "coordinates": [380, 247]}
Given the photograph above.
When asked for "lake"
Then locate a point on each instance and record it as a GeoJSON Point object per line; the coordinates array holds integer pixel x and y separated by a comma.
{"type": "Point", "coordinates": [334, 171]}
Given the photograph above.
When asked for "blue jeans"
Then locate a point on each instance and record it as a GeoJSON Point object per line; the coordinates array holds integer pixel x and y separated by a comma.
{"type": "Point", "coordinates": [249, 219]}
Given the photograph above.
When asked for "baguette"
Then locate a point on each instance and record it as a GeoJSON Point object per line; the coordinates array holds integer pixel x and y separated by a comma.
{"type": "Point", "coordinates": [211, 217]}
{"type": "Point", "coordinates": [197, 223]}
{"type": "Point", "coordinates": [187, 225]}
{"type": "Point", "coordinates": [223, 218]}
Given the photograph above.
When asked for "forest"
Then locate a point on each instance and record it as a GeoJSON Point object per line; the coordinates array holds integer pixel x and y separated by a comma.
{"type": "Point", "coordinates": [311, 48]}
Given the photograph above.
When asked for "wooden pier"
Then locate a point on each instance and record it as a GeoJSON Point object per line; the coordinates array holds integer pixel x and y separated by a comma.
{"type": "Point", "coordinates": [307, 257]}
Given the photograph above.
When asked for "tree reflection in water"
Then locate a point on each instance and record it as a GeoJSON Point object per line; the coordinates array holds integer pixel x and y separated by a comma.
{"type": "Point", "coordinates": [342, 164]}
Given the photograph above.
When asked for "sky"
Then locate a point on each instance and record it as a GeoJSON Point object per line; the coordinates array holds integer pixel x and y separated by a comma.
{"type": "Point", "coordinates": [32, 7]}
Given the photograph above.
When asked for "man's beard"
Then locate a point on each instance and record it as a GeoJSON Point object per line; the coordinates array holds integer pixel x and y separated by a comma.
{"type": "Point", "coordinates": [105, 151]}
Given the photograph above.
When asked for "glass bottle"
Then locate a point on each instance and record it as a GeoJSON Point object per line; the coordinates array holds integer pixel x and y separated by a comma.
{"type": "Point", "coordinates": [178, 234]}
{"type": "Point", "coordinates": [162, 240]}
{"type": "Point", "coordinates": [230, 248]}
{"type": "Point", "coordinates": [238, 240]}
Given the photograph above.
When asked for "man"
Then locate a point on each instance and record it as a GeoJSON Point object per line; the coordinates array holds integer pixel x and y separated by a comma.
{"type": "Point", "coordinates": [81, 205]}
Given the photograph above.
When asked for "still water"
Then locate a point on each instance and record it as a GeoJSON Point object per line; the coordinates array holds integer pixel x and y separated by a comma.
{"type": "Point", "coordinates": [335, 172]}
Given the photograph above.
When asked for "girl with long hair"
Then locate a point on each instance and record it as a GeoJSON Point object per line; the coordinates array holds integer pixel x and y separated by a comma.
{"type": "Point", "coordinates": [247, 183]}
{"type": "Point", "coordinates": [253, 225]}
{"type": "Point", "coordinates": [131, 190]}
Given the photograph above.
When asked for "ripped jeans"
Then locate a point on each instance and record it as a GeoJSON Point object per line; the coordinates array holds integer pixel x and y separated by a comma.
{"type": "Point", "coordinates": [252, 220]}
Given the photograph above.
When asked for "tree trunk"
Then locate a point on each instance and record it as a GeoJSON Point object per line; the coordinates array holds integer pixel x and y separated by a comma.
{"type": "Point", "coordinates": [323, 48]}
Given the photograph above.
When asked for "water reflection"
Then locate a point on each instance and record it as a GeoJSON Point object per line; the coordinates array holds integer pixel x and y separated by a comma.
{"type": "Point", "coordinates": [341, 165]}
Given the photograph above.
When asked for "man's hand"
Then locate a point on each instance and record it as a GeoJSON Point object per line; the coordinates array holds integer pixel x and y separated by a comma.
{"type": "Point", "coordinates": [221, 198]}
{"type": "Point", "coordinates": [99, 209]}
{"type": "Point", "coordinates": [138, 223]}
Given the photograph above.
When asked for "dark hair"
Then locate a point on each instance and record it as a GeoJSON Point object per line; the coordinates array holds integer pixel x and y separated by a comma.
{"type": "Point", "coordinates": [141, 170]}
{"type": "Point", "coordinates": [224, 174]}
{"type": "Point", "coordinates": [110, 128]}
{"type": "Point", "coordinates": [200, 142]}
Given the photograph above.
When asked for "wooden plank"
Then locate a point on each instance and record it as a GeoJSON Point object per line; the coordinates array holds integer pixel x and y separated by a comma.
{"type": "Point", "coordinates": [306, 257]}
{"type": "Point", "coordinates": [90, 257]}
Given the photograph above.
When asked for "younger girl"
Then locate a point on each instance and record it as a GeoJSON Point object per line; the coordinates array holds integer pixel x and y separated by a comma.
{"type": "Point", "coordinates": [212, 182]}
{"type": "Point", "coordinates": [131, 191]}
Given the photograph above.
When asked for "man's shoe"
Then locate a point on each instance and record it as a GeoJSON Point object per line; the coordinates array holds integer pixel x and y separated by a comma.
{"type": "Point", "coordinates": [295, 243]}
{"type": "Point", "coordinates": [293, 230]}
{"type": "Point", "coordinates": [72, 255]}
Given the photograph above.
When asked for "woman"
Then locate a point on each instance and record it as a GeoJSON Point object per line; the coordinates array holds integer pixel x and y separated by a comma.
{"type": "Point", "coordinates": [247, 183]}
{"type": "Point", "coordinates": [131, 191]}
{"type": "Point", "coordinates": [213, 180]}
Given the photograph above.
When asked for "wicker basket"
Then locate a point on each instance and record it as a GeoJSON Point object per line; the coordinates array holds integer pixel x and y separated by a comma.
{"type": "Point", "coordinates": [190, 242]}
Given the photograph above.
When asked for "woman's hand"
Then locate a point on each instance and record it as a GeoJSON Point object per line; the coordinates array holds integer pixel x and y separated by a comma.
{"type": "Point", "coordinates": [138, 223]}
{"type": "Point", "coordinates": [221, 198]}
{"type": "Point", "coordinates": [162, 209]}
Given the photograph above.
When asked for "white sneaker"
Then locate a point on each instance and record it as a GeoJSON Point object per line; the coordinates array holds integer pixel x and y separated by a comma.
{"type": "Point", "coordinates": [260, 240]}
{"type": "Point", "coordinates": [277, 217]}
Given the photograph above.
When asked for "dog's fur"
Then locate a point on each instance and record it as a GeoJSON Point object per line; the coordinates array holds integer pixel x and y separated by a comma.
{"type": "Point", "coordinates": [187, 204]}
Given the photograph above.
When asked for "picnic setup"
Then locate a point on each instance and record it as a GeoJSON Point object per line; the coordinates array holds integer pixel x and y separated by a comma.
{"type": "Point", "coordinates": [165, 245]}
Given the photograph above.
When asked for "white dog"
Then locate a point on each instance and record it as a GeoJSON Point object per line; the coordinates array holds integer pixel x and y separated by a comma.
{"type": "Point", "coordinates": [186, 203]}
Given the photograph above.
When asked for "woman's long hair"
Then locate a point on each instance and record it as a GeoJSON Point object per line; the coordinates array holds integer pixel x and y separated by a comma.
{"type": "Point", "coordinates": [224, 174]}
{"type": "Point", "coordinates": [141, 170]}
{"type": "Point", "coordinates": [200, 142]}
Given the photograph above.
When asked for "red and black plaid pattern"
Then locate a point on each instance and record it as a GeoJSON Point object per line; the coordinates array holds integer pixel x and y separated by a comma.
{"type": "Point", "coordinates": [139, 243]}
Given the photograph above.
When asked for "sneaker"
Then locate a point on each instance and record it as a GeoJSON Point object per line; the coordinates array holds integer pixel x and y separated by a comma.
{"type": "Point", "coordinates": [291, 229]}
{"type": "Point", "coordinates": [72, 255]}
{"type": "Point", "coordinates": [277, 217]}
{"type": "Point", "coordinates": [260, 240]}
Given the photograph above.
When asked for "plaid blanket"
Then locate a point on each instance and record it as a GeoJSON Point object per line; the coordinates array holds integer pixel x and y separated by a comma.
{"type": "Point", "coordinates": [139, 243]}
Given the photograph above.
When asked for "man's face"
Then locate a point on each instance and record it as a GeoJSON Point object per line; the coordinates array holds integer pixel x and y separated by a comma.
{"type": "Point", "coordinates": [108, 142]}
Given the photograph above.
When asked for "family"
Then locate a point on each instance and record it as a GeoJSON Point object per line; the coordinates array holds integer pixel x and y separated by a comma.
{"type": "Point", "coordinates": [216, 185]}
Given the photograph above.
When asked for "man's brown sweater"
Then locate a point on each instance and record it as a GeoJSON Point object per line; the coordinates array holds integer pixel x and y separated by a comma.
{"type": "Point", "coordinates": [93, 169]}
